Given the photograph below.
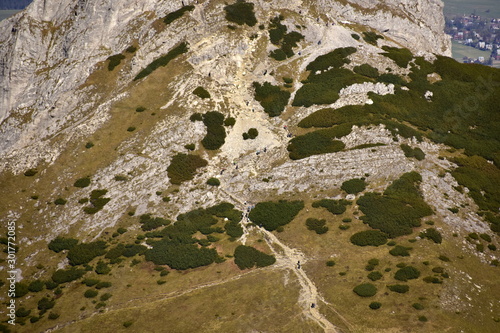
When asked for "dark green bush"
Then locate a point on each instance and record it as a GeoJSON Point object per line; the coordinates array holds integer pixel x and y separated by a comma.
{"type": "Point", "coordinates": [444, 258]}
{"type": "Point", "coordinates": [272, 215]}
{"type": "Point", "coordinates": [21, 289]}
{"type": "Point", "coordinates": [84, 253]}
{"type": "Point", "coordinates": [22, 312]}
{"type": "Point", "coordinates": [171, 17]}
{"type": "Point", "coordinates": [248, 257]}
{"type": "Point", "coordinates": [213, 181]}
{"type": "Point", "coordinates": [229, 121]}
{"type": "Point", "coordinates": [336, 58]}
{"type": "Point", "coordinates": [90, 282]}
{"type": "Point", "coordinates": [89, 145]}
{"type": "Point", "coordinates": [97, 202]}
{"type": "Point", "coordinates": [131, 129]}
{"type": "Point", "coordinates": [375, 305]}
{"type": "Point", "coordinates": [365, 290]}
{"type": "Point", "coordinates": [317, 225]}
{"type": "Point", "coordinates": [400, 251]}
{"type": "Point", "coordinates": [67, 275]}
{"type": "Point", "coordinates": [131, 49]}
{"type": "Point", "coordinates": [355, 36]}
{"type": "Point", "coordinates": [180, 256]}
{"type": "Point", "coordinates": [196, 117]}
{"type": "Point", "coordinates": [286, 41]}
{"type": "Point", "coordinates": [59, 244]}
{"type": "Point", "coordinates": [485, 237]}
{"type": "Point", "coordinates": [162, 61]}
{"type": "Point", "coordinates": [183, 167]}
{"type": "Point", "coordinates": [30, 172]}
{"type": "Point", "coordinates": [216, 134]}
{"type": "Point", "coordinates": [400, 56]}
{"type": "Point", "coordinates": [114, 61]}
{"type": "Point", "coordinates": [422, 318]}
{"type": "Point", "coordinates": [374, 276]}
{"type": "Point", "coordinates": [36, 286]}
{"type": "Point", "coordinates": [391, 78]}
{"type": "Point", "coordinates": [336, 207]}
{"type": "Point", "coordinates": [354, 186]}
{"type": "Point", "coordinates": [241, 13]}
{"type": "Point", "coordinates": [330, 263]}
{"type": "Point", "coordinates": [149, 223]}
{"type": "Point", "coordinates": [324, 87]}
{"type": "Point", "coordinates": [438, 270]}
{"type": "Point", "coordinates": [103, 284]}
{"type": "Point", "coordinates": [51, 284]}
{"type": "Point", "coordinates": [90, 293]}
{"type": "Point", "coordinates": [53, 316]}
{"type": "Point", "coordinates": [413, 152]}
{"type": "Point", "coordinates": [45, 304]}
{"type": "Point", "coordinates": [432, 279]}
{"type": "Point", "coordinates": [399, 288]}
{"type": "Point", "coordinates": [102, 268]}
{"type": "Point", "coordinates": [371, 37]}
{"type": "Point", "coordinates": [272, 98]}
{"type": "Point", "coordinates": [417, 306]}
{"type": "Point", "coordinates": [190, 146]}
{"type": "Point", "coordinates": [313, 143]}
{"type": "Point", "coordinates": [366, 70]}
{"type": "Point", "coordinates": [60, 201]}
{"type": "Point", "coordinates": [82, 182]}
{"type": "Point", "coordinates": [432, 234]}
{"type": "Point", "coordinates": [140, 109]}
{"type": "Point", "coordinates": [233, 229]}
{"type": "Point", "coordinates": [407, 273]}
{"type": "Point", "coordinates": [369, 238]}
{"type": "Point", "coordinates": [201, 93]}
{"type": "Point", "coordinates": [399, 209]}
{"type": "Point", "coordinates": [128, 323]}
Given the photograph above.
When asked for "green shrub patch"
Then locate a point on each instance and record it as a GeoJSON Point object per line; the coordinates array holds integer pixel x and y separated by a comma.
{"type": "Point", "coordinates": [162, 61]}
{"type": "Point", "coordinates": [336, 207]}
{"type": "Point", "coordinates": [366, 70]}
{"type": "Point", "coordinates": [82, 182]}
{"type": "Point", "coordinates": [400, 251]}
{"type": "Point", "coordinates": [216, 134]}
{"type": "Point", "coordinates": [272, 215]}
{"type": "Point", "coordinates": [149, 223]}
{"type": "Point", "coordinates": [374, 276]}
{"type": "Point", "coordinates": [180, 256]}
{"type": "Point", "coordinates": [432, 234]}
{"type": "Point", "coordinates": [183, 167]}
{"type": "Point", "coordinates": [399, 288]}
{"type": "Point", "coordinates": [286, 41]}
{"type": "Point", "coordinates": [84, 253]}
{"type": "Point", "coordinates": [365, 290]}
{"type": "Point", "coordinates": [171, 17]}
{"type": "Point", "coordinates": [413, 152]}
{"type": "Point", "coordinates": [97, 202]}
{"type": "Point", "coordinates": [371, 37]}
{"type": "Point", "coordinates": [201, 93]}
{"type": "Point", "coordinates": [369, 238]}
{"type": "Point", "coordinates": [114, 61]}
{"type": "Point", "coordinates": [375, 305]}
{"type": "Point", "coordinates": [314, 143]}
{"type": "Point", "coordinates": [400, 56]}
{"type": "Point", "coordinates": [407, 273]}
{"type": "Point", "coordinates": [213, 181]}
{"type": "Point", "coordinates": [67, 275]}
{"type": "Point", "coordinates": [399, 209]}
{"type": "Point", "coordinates": [241, 13]}
{"type": "Point", "coordinates": [59, 244]}
{"type": "Point", "coordinates": [272, 98]}
{"type": "Point", "coordinates": [317, 225]}
{"type": "Point", "coordinates": [354, 186]}
{"type": "Point", "coordinates": [248, 257]}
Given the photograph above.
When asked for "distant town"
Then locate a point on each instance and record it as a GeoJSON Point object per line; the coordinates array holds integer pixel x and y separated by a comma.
{"type": "Point", "coordinates": [477, 32]}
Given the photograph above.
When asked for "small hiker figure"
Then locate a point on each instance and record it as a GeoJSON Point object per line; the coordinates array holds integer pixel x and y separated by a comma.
{"type": "Point", "coordinates": [298, 264]}
{"type": "Point", "coordinates": [313, 305]}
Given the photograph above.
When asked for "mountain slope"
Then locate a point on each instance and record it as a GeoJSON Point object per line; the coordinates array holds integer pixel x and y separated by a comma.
{"type": "Point", "coordinates": [157, 140]}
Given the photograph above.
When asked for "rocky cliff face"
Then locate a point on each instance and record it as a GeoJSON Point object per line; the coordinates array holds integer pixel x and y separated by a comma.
{"type": "Point", "coordinates": [49, 50]}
